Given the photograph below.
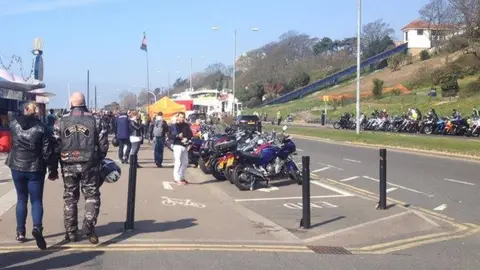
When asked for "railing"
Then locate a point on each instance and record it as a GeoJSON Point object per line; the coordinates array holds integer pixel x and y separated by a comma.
{"type": "Point", "coordinates": [335, 78]}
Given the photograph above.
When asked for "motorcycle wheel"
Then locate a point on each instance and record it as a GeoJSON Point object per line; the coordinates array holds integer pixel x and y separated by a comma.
{"type": "Point", "coordinates": [216, 173]}
{"type": "Point", "coordinates": [297, 177]}
{"type": "Point", "coordinates": [428, 130]}
{"type": "Point", "coordinates": [203, 167]}
{"type": "Point", "coordinates": [336, 125]}
{"type": "Point", "coordinates": [229, 174]}
{"type": "Point", "coordinates": [240, 183]}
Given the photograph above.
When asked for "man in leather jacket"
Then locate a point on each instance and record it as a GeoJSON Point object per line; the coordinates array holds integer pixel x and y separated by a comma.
{"type": "Point", "coordinates": [80, 146]}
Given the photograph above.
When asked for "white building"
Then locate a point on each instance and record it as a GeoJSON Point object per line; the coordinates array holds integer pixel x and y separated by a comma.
{"type": "Point", "coordinates": [209, 100]}
{"type": "Point", "coordinates": [420, 34]}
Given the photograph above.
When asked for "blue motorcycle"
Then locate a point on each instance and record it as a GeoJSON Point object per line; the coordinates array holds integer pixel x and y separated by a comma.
{"type": "Point", "coordinates": [271, 160]}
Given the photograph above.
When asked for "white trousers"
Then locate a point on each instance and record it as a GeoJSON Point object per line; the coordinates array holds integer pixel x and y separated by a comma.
{"type": "Point", "coordinates": [180, 156]}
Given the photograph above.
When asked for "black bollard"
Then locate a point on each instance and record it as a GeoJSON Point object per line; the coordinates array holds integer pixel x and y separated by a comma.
{"type": "Point", "coordinates": [382, 204]}
{"type": "Point", "coordinates": [132, 186]}
{"type": "Point", "coordinates": [305, 221]}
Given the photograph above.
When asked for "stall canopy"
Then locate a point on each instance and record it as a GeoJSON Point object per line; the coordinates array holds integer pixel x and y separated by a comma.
{"type": "Point", "coordinates": [13, 82]}
{"type": "Point", "coordinates": [167, 106]}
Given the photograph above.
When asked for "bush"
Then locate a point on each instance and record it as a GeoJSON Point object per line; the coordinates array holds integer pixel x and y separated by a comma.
{"type": "Point", "coordinates": [423, 78]}
{"type": "Point", "coordinates": [455, 43]}
{"type": "Point", "coordinates": [396, 61]}
{"type": "Point", "coordinates": [447, 73]}
{"type": "Point", "coordinates": [469, 62]}
{"type": "Point", "coordinates": [396, 92]}
{"type": "Point", "coordinates": [408, 59]}
{"type": "Point", "coordinates": [471, 89]}
{"type": "Point", "coordinates": [424, 55]}
{"type": "Point", "coordinates": [450, 88]}
{"type": "Point", "coordinates": [377, 89]}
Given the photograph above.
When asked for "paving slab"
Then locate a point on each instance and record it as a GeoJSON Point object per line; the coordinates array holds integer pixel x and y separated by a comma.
{"type": "Point", "coordinates": [182, 213]}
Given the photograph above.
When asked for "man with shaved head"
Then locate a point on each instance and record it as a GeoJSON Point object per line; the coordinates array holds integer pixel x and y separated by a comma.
{"type": "Point", "coordinates": [81, 145]}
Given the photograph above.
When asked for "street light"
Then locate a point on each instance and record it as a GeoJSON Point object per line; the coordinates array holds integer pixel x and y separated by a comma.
{"type": "Point", "coordinates": [359, 33]}
{"type": "Point", "coordinates": [216, 28]}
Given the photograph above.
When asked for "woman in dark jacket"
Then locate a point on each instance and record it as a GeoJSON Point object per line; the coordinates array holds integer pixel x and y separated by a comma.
{"type": "Point", "coordinates": [136, 137]}
{"type": "Point", "coordinates": [31, 149]}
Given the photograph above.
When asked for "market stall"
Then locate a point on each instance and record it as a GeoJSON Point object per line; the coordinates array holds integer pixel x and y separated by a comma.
{"type": "Point", "coordinates": [167, 106]}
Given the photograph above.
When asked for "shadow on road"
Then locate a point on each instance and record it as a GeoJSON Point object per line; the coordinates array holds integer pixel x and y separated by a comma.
{"type": "Point", "coordinates": [327, 221]}
{"type": "Point", "coordinates": [63, 260]}
{"type": "Point", "coordinates": [5, 180]}
{"type": "Point", "coordinates": [141, 227]}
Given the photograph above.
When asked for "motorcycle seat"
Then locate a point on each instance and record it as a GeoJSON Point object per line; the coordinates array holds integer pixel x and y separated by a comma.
{"type": "Point", "coordinates": [249, 155]}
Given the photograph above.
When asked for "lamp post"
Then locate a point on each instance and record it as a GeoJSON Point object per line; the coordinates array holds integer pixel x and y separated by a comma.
{"type": "Point", "coordinates": [359, 33]}
{"type": "Point", "coordinates": [216, 28]}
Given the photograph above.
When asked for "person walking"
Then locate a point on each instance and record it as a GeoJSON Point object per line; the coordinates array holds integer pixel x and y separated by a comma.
{"type": "Point", "coordinates": [80, 147]}
{"type": "Point", "coordinates": [180, 135]}
{"type": "Point", "coordinates": [136, 136]}
{"type": "Point", "coordinates": [27, 160]}
{"type": "Point", "coordinates": [122, 133]}
{"type": "Point", "coordinates": [159, 130]}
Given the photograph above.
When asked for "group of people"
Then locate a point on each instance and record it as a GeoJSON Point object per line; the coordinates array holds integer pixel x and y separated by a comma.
{"type": "Point", "coordinates": [130, 132]}
{"type": "Point", "coordinates": [78, 143]}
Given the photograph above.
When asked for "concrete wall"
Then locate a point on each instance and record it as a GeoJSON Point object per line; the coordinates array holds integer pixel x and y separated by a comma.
{"type": "Point", "coordinates": [417, 41]}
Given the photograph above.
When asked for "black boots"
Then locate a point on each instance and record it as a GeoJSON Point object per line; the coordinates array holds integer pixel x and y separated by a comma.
{"type": "Point", "coordinates": [37, 234]}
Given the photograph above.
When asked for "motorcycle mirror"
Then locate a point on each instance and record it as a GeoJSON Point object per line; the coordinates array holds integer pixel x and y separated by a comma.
{"type": "Point", "coordinates": [284, 128]}
{"type": "Point", "coordinates": [260, 141]}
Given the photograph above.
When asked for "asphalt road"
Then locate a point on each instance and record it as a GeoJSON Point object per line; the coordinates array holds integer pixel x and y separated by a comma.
{"type": "Point", "coordinates": [448, 186]}
{"type": "Point", "coordinates": [440, 257]}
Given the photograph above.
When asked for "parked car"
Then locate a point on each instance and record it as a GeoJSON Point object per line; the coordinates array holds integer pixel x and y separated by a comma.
{"type": "Point", "coordinates": [248, 121]}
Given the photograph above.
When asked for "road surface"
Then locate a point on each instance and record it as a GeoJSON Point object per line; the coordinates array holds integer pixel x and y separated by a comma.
{"type": "Point", "coordinates": [211, 225]}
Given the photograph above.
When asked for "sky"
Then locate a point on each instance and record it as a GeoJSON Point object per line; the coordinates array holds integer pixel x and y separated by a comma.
{"type": "Point", "coordinates": [104, 36]}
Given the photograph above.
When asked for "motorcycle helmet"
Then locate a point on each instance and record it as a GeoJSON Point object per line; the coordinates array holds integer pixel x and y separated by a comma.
{"type": "Point", "coordinates": [110, 171]}
{"type": "Point", "coordinates": [115, 142]}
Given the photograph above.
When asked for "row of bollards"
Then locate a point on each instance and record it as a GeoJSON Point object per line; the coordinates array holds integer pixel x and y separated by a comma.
{"type": "Point", "coordinates": [305, 222]}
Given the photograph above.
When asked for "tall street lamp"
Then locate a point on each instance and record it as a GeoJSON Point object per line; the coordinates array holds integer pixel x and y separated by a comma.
{"type": "Point", "coordinates": [359, 33]}
{"type": "Point", "coordinates": [215, 28]}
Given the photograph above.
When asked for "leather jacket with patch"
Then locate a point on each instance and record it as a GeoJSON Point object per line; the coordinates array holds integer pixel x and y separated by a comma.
{"type": "Point", "coordinates": [80, 138]}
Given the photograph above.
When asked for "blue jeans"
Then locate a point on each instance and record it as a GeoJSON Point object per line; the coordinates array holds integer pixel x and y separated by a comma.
{"type": "Point", "coordinates": [158, 151]}
{"type": "Point", "coordinates": [29, 183]}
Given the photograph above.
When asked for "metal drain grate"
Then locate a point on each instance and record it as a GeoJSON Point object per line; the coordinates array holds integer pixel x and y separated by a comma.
{"type": "Point", "coordinates": [329, 250]}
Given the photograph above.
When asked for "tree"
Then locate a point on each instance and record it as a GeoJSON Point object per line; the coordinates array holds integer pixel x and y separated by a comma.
{"type": "Point", "coordinates": [325, 45]}
{"type": "Point", "coordinates": [376, 38]}
{"type": "Point", "coordinates": [468, 15]}
{"type": "Point", "coordinates": [216, 67]}
{"type": "Point", "coordinates": [143, 97]}
{"type": "Point", "coordinates": [301, 79]}
{"type": "Point", "coordinates": [440, 16]}
{"type": "Point", "coordinates": [128, 100]}
{"type": "Point", "coordinates": [114, 106]}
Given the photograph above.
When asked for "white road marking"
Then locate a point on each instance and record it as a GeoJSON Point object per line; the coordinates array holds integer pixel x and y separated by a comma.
{"type": "Point", "coordinates": [349, 178]}
{"type": "Point", "coordinates": [322, 169]}
{"type": "Point", "coordinates": [352, 160]}
{"type": "Point", "coordinates": [167, 185]}
{"type": "Point", "coordinates": [460, 182]}
{"type": "Point", "coordinates": [268, 189]}
{"type": "Point", "coordinates": [299, 206]}
{"type": "Point", "coordinates": [299, 150]}
{"type": "Point", "coordinates": [290, 198]}
{"type": "Point", "coordinates": [7, 201]}
{"type": "Point", "coordinates": [391, 189]}
{"type": "Point", "coordinates": [398, 186]}
{"type": "Point", "coordinates": [324, 164]}
{"type": "Point", "coordinates": [440, 207]}
{"type": "Point", "coordinates": [334, 189]}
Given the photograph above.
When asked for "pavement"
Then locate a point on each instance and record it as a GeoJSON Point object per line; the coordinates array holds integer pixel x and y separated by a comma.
{"type": "Point", "coordinates": [185, 227]}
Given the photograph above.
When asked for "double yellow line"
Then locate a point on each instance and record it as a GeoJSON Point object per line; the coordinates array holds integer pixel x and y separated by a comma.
{"type": "Point", "coordinates": [166, 247]}
{"type": "Point", "coordinates": [459, 231]}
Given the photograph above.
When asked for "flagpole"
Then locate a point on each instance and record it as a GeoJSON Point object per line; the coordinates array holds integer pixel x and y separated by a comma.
{"type": "Point", "coordinates": [148, 76]}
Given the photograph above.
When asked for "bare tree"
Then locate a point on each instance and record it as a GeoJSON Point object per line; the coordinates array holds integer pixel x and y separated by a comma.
{"type": "Point", "coordinates": [441, 17]}
{"type": "Point", "coordinates": [143, 97]}
{"type": "Point", "coordinates": [128, 100]}
{"type": "Point", "coordinates": [469, 15]}
{"type": "Point", "coordinates": [216, 67]}
{"type": "Point", "coordinates": [374, 32]}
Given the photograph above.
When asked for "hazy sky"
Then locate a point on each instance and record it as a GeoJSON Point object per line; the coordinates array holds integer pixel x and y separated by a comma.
{"type": "Point", "coordinates": [105, 35]}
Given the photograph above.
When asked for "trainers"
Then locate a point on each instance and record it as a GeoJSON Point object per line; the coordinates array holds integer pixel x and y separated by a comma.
{"type": "Point", "coordinates": [37, 234]}
{"type": "Point", "coordinates": [20, 237]}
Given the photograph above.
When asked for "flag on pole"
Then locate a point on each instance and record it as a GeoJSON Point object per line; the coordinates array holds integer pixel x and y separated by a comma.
{"type": "Point", "coordinates": [144, 43]}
